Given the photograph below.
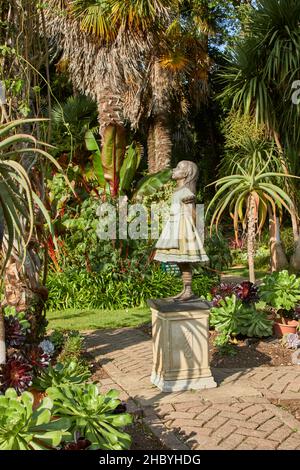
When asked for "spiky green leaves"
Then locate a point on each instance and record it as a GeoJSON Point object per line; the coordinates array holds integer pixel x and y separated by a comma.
{"type": "Point", "coordinates": [17, 195]}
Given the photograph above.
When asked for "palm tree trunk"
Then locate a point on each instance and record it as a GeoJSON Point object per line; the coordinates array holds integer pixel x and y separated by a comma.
{"type": "Point", "coordinates": [251, 238]}
{"type": "Point", "coordinates": [159, 136]}
{"type": "Point", "coordinates": [278, 258]}
{"type": "Point", "coordinates": [151, 150]}
{"type": "Point", "coordinates": [159, 145]}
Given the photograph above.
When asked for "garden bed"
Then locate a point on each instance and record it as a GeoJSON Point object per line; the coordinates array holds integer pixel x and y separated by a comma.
{"type": "Point", "coordinates": [142, 438]}
{"type": "Point", "coordinates": [250, 352]}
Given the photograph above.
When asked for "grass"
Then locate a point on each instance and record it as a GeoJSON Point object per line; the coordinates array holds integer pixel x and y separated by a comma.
{"type": "Point", "coordinates": [90, 319]}
{"type": "Point", "coordinates": [242, 271]}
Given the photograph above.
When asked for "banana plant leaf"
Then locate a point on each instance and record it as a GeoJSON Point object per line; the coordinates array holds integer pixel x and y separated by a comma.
{"type": "Point", "coordinates": [92, 146]}
{"type": "Point", "coordinates": [113, 153]}
{"type": "Point", "coordinates": [150, 184]}
{"type": "Point", "coordinates": [130, 165]}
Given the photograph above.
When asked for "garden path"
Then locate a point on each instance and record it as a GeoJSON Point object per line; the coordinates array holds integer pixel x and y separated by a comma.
{"type": "Point", "coordinates": [239, 414]}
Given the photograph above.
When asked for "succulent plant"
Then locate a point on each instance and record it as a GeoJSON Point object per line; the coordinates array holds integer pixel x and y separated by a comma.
{"type": "Point", "coordinates": [37, 357]}
{"type": "Point", "coordinates": [121, 408]}
{"type": "Point", "coordinates": [57, 338]}
{"type": "Point", "coordinates": [48, 347]}
{"type": "Point", "coordinates": [220, 292]}
{"type": "Point", "coordinates": [79, 443]}
{"type": "Point", "coordinates": [17, 373]}
{"type": "Point", "coordinates": [247, 292]}
{"type": "Point", "coordinates": [15, 334]}
{"type": "Point", "coordinates": [281, 291]}
{"type": "Point", "coordinates": [291, 341]}
{"type": "Point", "coordinates": [72, 373]}
{"type": "Point", "coordinates": [92, 414]}
{"type": "Point", "coordinates": [23, 428]}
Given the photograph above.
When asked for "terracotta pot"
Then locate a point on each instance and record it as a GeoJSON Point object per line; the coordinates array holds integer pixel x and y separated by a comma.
{"type": "Point", "coordinates": [281, 329]}
{"type": "Point", "coordinates": [37, 396]}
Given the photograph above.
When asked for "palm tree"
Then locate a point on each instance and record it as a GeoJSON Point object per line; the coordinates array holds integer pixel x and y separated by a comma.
{"type": "Point", "coordinates": [259, 78]}
{"type": "Point", "coordinates": [135, 67]}
{"type": "Point", "coordinates": [20, 208]}
{"type": "Point", "coordinates": [249, 194]}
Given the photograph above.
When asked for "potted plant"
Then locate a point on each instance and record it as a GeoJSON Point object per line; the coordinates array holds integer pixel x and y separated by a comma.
{"type": "Point", "coordinates": [281, 292]}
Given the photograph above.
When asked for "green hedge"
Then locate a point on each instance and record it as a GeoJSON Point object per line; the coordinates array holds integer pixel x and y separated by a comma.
{"type": "Point", "coordinates": [75, 289]}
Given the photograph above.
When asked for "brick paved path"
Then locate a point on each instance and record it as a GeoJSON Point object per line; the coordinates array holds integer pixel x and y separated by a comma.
{"type": "Point", "coordinates": [236, 415]}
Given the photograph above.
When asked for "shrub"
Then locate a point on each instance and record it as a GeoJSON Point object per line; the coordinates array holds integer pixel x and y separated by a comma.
{"type": "Point", "coordinates": [72, 348]}
{"type": "Point", "coordinates": [218, 251]}
{"type": "Point", "coordinates": [73, 289]}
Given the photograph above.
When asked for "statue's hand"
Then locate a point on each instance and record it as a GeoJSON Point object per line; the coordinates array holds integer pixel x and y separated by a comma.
{"type": "Point", "coordinates": [189, 199]}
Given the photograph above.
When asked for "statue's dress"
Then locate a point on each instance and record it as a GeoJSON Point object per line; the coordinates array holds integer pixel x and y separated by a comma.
{"type": "Point", "coordinates": [180, 241]}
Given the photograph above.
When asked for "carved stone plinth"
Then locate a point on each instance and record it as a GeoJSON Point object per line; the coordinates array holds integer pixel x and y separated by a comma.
{"type": "Point", "coordinates": [180, 345]}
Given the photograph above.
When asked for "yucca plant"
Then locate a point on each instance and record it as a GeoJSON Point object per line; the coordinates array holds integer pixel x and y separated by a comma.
{"type": "Point", "coordinates": [260, 73]}
{"type": "Point", "coordinates": [18, 199]}
{"type": "Point", "coordinates": [249, 194]}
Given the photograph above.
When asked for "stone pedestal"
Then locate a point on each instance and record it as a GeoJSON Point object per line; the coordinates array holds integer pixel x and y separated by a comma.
{"type": "Point", "coordinates": [180, 345]}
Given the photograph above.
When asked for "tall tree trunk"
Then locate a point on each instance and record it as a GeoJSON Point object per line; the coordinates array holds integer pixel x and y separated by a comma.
{"type": "Point", "coordinates": [159, 134]}
{"type": "Point", "coordinates": [159, 145]}
{"type": "Point", "coordinates": [251, 237]}
{"type": "Point", "coordinates": [151, 150]}
{"type": "Point", "coordinates": [109, 108]}
{"type": "Point", "coordinates": [278, 258]}
{"type": "Point", "coordinates": [290, 191]}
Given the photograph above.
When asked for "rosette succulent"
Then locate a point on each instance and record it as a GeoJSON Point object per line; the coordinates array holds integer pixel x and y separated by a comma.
{"type": "Point", "coordinates": [247, 292]}
{"type": "Point", "coordinates": [15, 334]}
{"type": "Point", "coordinates": [17, 373]}
{"type": "Point", "coordinates": [37, 357]}
{"type": "Point", "coordinates": [221, 292]}
{"type": "Point", "coordinates": [48, 347]}
{"type": "Point", "coordinates": [92, 414]}
{"type": "Point", "coordinates": [72, 373]}
{"type": "Point", "coordinates": [22, 428]}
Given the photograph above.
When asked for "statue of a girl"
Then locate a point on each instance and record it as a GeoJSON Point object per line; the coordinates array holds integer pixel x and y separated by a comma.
{"type": "Point", "coordinates": [180, 241]}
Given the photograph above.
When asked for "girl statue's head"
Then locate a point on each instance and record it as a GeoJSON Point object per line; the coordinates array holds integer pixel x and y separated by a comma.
{"type": "Point", "coordinates": [187, 173]}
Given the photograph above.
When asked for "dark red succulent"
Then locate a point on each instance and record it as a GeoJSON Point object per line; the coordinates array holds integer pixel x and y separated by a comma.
{"type": "Point", "coordinates": [36, 357]}
{"type": "Point", "coordinates": [15, 335]}
{"type": "Point", "coordinates": [247, 292]}
{"type": "Point", "coordinates": [79, 443]}
{"type": "Point", "coordinates": [220, 292]}
{"type": "Point", "coordinates": [121, 408]}
{"type": "Point", "coordinates": [16, 373]}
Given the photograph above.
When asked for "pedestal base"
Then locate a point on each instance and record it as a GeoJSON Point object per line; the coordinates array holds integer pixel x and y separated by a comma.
{"type": "Point", "coordinates": [180, 332]}
{"type": "Point", "coordinates": [181, 385]}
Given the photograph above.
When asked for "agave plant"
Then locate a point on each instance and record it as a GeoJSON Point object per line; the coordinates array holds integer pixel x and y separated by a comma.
{"type": "Point", "coordinates": [250, 194]}
{"type": "Point", "coordinates": [17, 197]}
{"type": "Point", "coordinates": [18, 200]}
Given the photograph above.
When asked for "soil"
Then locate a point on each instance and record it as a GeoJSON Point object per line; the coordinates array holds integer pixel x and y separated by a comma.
{"type": "Point", "coordinates": [249, 352]}
{"type": "Point", "coordinates": [292, 406]}
{"type": "Point", "coordinates": [142, 439]}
